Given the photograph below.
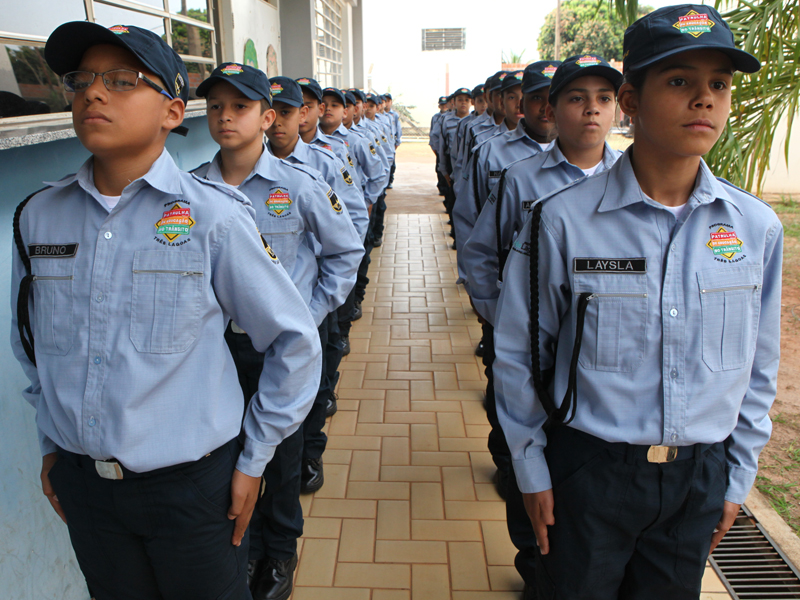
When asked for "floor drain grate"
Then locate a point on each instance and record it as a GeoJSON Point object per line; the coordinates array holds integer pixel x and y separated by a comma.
{"type": "Point", "coordinates": [750, 564]}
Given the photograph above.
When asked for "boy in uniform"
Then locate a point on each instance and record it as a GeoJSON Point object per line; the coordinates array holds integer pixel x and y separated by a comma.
{"type": "Point", "coordinates": [434, 135]}
{"type": "Point", "coordinates": [291, 204]}
{"type": "Point", "coordinates": [638, 402]}
{"type": "Point", "coordinates": [448, 125]}
{"type": "Point", "coordinates": [397, 128]}
{"type": "Point", "coordinates": [135, 269]}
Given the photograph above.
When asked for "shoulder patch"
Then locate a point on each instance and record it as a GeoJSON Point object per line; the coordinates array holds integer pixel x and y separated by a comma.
{"type": "Point", "coordinates": [334, 199]}
{"type": "Point", "coordinates": [346, 176]}
{"type": "Point", "coordinates": [372, 148]}
{"type": "Point", "coordinates": [269, 250]}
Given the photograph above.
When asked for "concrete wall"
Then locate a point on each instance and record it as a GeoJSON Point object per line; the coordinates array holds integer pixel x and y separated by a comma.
{"type": "Point", "coordinates": [241, 20]}
{"type": "Point", "coordinates": [36, 559]}
{"type": "Point", "coordinates": [297, 31]}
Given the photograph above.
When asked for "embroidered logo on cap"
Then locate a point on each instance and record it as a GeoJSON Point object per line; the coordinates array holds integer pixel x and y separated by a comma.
{"type": "Point", "coordinates": [587, 61]}
{"type": "Point", "coordinates": [278, 201]}
{"type": "Point", "coordinates": [175, 222]}
{"type": "Point", "coordinates": [232, 70]}
{"type": "Point", "coordinates": [276, 88]}
{"type": "Point", "coordinates": [694, 23]}
{"type": "Point", "coordinates": [724, 243]}
{"type": "Point", "coordinates": [118, 29]}
{"type": "Point", "coordinates": [502, 76]}
{"type": "Point", "coordinates": [549, 71]}
{"type": "Point", "coordinates": [303, 81]}
{"type": "Point", "coordinates": [518, 75]}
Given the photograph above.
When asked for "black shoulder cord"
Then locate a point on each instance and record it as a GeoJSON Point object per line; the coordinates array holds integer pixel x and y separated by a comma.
{"type": "Point", "coordinates": [555, 416]}
{"type": "Point", "coordinates": [23, 314]}
{"type": "Point", "coordinates": [502, 253]}
{"type": "Point", "coordinates": [475, 180]}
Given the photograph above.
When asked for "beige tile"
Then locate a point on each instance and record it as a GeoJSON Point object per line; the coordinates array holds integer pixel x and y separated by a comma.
{"type": "Point", "coordinates": [478, 431]}
{"type": "Point", "coordinates": [410, 474]}
{"type": "Point", "coordinates": [338, 457]}
{"type": "Point", "coordinates": [499, 549]}
{"type": "Point", "coordinates": [424, 438]}
{"type": "Point", "coordinates": [435, 406]}
{"type": "Point", "coordinates": [475, 395]}
{"type": "Point", "coordinates": [421, 354]}
{"type": "Point", "coordinates": [385, 384]}
{"type": "Point", "coordinates": [443, 380]}
{"type": "Point", "coordinates": [416, 375]}
{"type": "Point", "coordinates": [351, 379]}
{"type": "Point", "coordinates": [457, 482]}
{"type": "Point", "coordinates": [441, 347]}
{"type": "Point", "coordinates": [343, 423]}
{"type": "Point", "coordinates": [445, 530]}
{"type": "Point", "coordinates": [391, 594]}
{"type": "Point", "coordinates": [487, 492]}
{"type": "Point", "coordinates": [468, 372]}
{"type": "Point", "coordinates": [505, 579]}
{"type": "Point", "coordinates": [329, 593]}
{"type": "Point", "coordinates": [440, 459]}
{"type": "Point", "coordinates": [382, 429]}
{"type": "Point", "coordinates": [430, 582]}
{"type": "Point", "coordinates": [426, 501]}
{"type": "Point", "coordinates": [361, 394]}
{"type": "Point", "coordinates": [354, 509]}
{"type": "Point", "coordinates": [400, 362]}
{"type": "Point", "coordinates": [371, 411]}
{"type": "Point", "coordinates": [485, 511]}
{"type": "Point", "coordinates": [394, 520]}
{"type": "Point", "coordinates": [486, 595]}
{"type": "Point", "coordinates": [422, 390]}
{"type": "Point", "coordinates": [462, 444]}
{"type": "Point", "coordinates": [345, 404]}
{"type": "Point", "coordinates": [395, 451]}
{"type": "Point", "coordinates": [474, 413]}
{"type": "Point", "coordinates": [397, 400]}
{"type": "Point", "coordinates": [318, 562]}
{"type": "Point", "coordinates": [319, 527]}
{"type": "Point", "coordinates": [483, 468]}
{"type": "Point", "coordinates": [335, 482]}
{"type": "Point", "coordinates": [711, 581]}
{"type": "Point", "coordinates": [451, 425]}
{"type": "Point", "coordinates": [357, 543]}
{"type": "Point", "coordinates": [354, 442]}
{"type": "Point", "coordinates": [375, 371]}
{"type": "Point", "coordinates": [410, 552]}
{"type": "Point", "coordinates": [368, 575]}
{"type": "Point", "coordinates": [410, 417]}
{"type": "Point", "coordinates": [468, 566]}
{"type": "Point", "coordinates": [379, 490]}
{"type": "Point", "coordinates": [366, 466]}
{"type": "Point", "coordinates": [306, 500]}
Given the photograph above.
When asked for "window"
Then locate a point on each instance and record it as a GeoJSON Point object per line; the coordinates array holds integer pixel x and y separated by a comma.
{"type": "Point", "coordinates": [29, 87]}
{"type": "Point", "coordinates": [328, 43]}
{"type": "Point", "coordinates": [444, 39]}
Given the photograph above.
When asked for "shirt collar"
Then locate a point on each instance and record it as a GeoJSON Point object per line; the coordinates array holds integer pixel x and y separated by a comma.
{"type": "Point", "coordinates": [622, 188]}
{"type": "Point", "coordinates": [300, 152]}
{"type": "Point", "coordinates": [519, 133]}
{"type": "Point", "coordinates": [264, 168]}
{"type": "Point", "coordinates": [555, 157]}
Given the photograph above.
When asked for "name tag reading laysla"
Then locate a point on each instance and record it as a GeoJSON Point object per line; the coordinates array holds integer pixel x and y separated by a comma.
{"type": "Point", "coordinates": [634, 266]}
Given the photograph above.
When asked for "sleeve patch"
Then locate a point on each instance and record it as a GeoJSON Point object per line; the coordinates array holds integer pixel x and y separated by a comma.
{"type": "Point", "coordinates": [335, 204]}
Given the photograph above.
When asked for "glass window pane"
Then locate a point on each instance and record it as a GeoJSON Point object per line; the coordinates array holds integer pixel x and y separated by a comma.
{"type": "Point", "coordinates": [159, 4]}
{"type": "Point", "coordinates": [27, 85]}
{"type": "Point", "coordinates": [197, 73]}
{"type": "Point", "coordinates": [40, 17]}
{"type": "Point", "coordinates": [188, 39]}
{"type": "Point", "coordinates": [111, 15]}
{"type": "Point", "coordinates": [196, 9]}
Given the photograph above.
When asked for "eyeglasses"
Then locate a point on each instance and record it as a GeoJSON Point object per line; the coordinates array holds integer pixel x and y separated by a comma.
{"type": "Point", "coordinates": [116, 80]}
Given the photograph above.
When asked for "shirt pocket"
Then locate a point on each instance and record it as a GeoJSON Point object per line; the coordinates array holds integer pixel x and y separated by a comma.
{"type": "Point", "coordinates": [53, 304]}
{"type": "Point", "coordinates": [615, 326]}
{"type": "Point", "coordinates": [166, 298]}
{"type": "Point", "coordinates": [283, 236]}
{"type": "Point", "coordinates": [730, 303]}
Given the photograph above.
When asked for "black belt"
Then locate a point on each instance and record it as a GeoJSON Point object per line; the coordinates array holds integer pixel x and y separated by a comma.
{"type": "Point", "coordinates": [113, 469]}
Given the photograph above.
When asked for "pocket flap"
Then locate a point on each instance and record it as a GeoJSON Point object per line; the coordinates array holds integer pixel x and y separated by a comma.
{"type": "Point", "coordinates": [610, 283]}
{"type": "Point", "coordinates": [157, 260]}
{"type": "Point", "coordinates": [287, 225]}
{"type": "Point", "coordinates": [729, 276]}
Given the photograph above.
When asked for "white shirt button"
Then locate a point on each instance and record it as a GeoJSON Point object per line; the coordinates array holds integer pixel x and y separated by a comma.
{"type": "Point", "coordinates": [673, 437]}
{"type": "Point", "coordinates": [674, 373]}
{"type": "Point", "coordinates": [673, 312]}
{"type": "Point", "coordinates": [108, 235]}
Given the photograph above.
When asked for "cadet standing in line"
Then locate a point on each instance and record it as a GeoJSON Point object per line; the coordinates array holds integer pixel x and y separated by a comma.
{"type": "Point", "coordinates": [135, 269]}
{"type": "Point", "coordinates": [434, 134]}
{"type": "Point", "coordinates": [494, 119]}
{"type": "Point", "coordinates": [290, 202]}
{"type": "Point", "coordinates": [462, 101]}
{"type": "Point", "coordinates": [398, 130]}
{"type": "Point", "coordinates": [653, 293]}
{"type": "Point", "coordinates": [478, 109]}
{"type": "Point", "coordinates": [381, 128]}
{"type": "Point", "coordinates": [286, 143]}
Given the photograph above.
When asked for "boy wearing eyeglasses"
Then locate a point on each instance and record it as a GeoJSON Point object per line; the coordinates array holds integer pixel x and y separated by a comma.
{"type": "Point", "coordinates": [125, 276]}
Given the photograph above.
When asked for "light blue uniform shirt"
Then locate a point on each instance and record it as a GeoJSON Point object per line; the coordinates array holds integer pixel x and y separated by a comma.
{"type": "Point", "coordinates": [447, 146]}
{"type": "Point", "coordinates": [434, 133]}
{"type": "Point", "coordinates": [369, 133]}
{"type": "Point", "coordinates": [683, 353]}
{"type": "Point", "coordinates": [398, 127]}
{"type": "Point", "coordinates": [525, 181]}
{"type": "Point", "coordinates": [131, 362]}
{"type": "Point", "coordinates": [337, 177]}
{"type": "Point", "coordinates": [479, 137]}
{"type": "Point", "coordinates": [366, 160]}
{"type": "Point", "coordinates": [487, 162]}
{"type": "Point", "coordinates": [481, 123]}
{"type": "Point", "coordinates": [377, 126]}
{"type": "Point", "coordinates": [342, 152]}
{"type": "Point", "coordinates": [292, 202]}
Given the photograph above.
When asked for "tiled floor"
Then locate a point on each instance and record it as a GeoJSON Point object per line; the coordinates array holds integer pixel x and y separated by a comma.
{"type": "Point", "coordinates": [408, 510]}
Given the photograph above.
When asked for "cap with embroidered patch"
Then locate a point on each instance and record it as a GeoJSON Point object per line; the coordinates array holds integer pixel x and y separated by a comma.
{"type": "Point", "coordinates": [312, 85]}
{"type": "Point", "coordinates": [443, 100]}
{"type": "Point", "coordinates": [461, 92]}
{"type": "Point", "coordinates": [477, 91]}
{"type": "Point", "coordinates": [387, 96]}
{"type": "Point", "coordinates": [511, 80]}
{"type": "Point", "coordinates": [539, 75]}
{"type": "Point", "coordinates": [675, 29]}
{"type": "Point", "coordinates": [495, 81]}
{"type": "Point", "coordinates": [374, 98]}
{"type": "Point", "coordinates": [360, 96]}
{"type": "Point", "coordinates": [286, 90]}
{"type": "Point", "coordinates": [336, 93]}
{"type": "Point", "coordinates": [583, 65]}
{"type": "Point", "coordinates": [350, 97]}
{"type": "Point", "coordinates": [251, 82]}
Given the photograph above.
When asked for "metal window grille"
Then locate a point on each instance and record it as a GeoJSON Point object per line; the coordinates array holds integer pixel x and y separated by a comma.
{"type": "Point", "coordinates": [444, 39]}
{"type": "Point", "coordinates": [328, 43]}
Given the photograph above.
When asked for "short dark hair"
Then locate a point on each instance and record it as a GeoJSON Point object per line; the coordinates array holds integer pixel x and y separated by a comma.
{"type": "Point", "coordinates": [265, 105]}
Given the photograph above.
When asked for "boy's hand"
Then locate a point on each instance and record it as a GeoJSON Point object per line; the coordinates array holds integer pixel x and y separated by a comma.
{"type": "Point", "coordinates": [244, 493]}
{"type": "Point", "coordinates": [48, 460]}
{"type": "Point", "coordinates": [729, 512]}
{"type": "Point", "coordinates": [539, 507]}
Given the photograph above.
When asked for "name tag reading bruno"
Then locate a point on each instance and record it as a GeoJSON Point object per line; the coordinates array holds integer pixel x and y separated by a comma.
{"type": "Point", "coordinates": [634, 266]}
{"type": "Point", "coordinates": [52, 250]}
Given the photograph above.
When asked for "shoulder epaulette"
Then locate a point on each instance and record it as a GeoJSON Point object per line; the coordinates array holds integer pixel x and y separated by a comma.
{"type": "Point", "coordinates": [724, 181]}
{"type": "Point", "coordinates": [306, 170]}
{"type": "Point", "coordinates": [323, 150]}
{"type": "Point", "coordinates": [198, 167]}
{"type": "Point", "coordinates": [223, 187]}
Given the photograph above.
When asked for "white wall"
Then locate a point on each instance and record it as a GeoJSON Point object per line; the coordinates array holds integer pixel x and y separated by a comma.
{"type": "Point", "coordinates": [257, 20]}
{"type": "Point", "coordinates": [780, 179]}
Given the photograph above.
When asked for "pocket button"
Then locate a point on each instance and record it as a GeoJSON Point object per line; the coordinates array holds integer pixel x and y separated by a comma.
{"type": "Point", "coordinates": [673, 312]}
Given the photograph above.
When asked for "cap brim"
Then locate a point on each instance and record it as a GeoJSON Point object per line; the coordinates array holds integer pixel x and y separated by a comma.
{"type": "Point", "coordinates": [742, 61]}
{"type": "Point", "coordinates": [610, 73]}
{"type": "Point", "coordinates": [204, 88]}
{"type": "Point", "coordinates": [535, 86]}
{"type": "Point", "coordinates": [290, 102]}
{"type": "Point", "coordinates": [339, 97]}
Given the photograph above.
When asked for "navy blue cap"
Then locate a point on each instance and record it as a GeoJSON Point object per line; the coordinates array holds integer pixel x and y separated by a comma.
{"type": "Point", "coordinates": [477, 91]}
{"type": "Point", "coordinates": [443, 99]}
{"type": "Point", "coordinates": [514, 78]}
{"type": "Point", "coordinates": [350, 96]}
{"type": "Point", "coordinates": [388, 96]}
{"type": "Point", "coordinates": [252, 82]}
{"type": "Point", "coordinates": [286, 90]}
{"type": "Point", "coordinates": [462, 91]}
{"type": "Point", "coordinates": [312, 85]}
{"type": "Point", "coordinates": [373, 98]}
{"type": "Point", "coordinates": [360, 96]}
{"type": "Point", "coordinates": [582, 66]}
{"type": "Point", "coordinates": [539, 75]}
{"type": "Point", "coordinates": [336, 93]}
{"type": "Point", "coordinates": [675, 29]}
{"type": "Point", "coordinates": [67, 44]}
{"type": "Point", "coordinates": [495, 81]}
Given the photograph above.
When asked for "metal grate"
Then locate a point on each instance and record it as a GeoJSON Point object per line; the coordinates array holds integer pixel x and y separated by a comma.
{"type": "Point", "coordinates": [444, 39]}
{"type": "Point", "coordinates": [750, 564]}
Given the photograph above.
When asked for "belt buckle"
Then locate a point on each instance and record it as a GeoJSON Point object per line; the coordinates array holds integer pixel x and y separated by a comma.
{"type": "Point", "coordinates": [662, 454]}
{"type": "Point", "coordinates": [108, 470]}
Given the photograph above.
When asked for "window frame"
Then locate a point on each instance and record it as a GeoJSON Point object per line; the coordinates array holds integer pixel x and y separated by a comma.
{"type": "Point", "coordinates": [329, 78]}
{"type": "Point", "coordinates": [429, 45]}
